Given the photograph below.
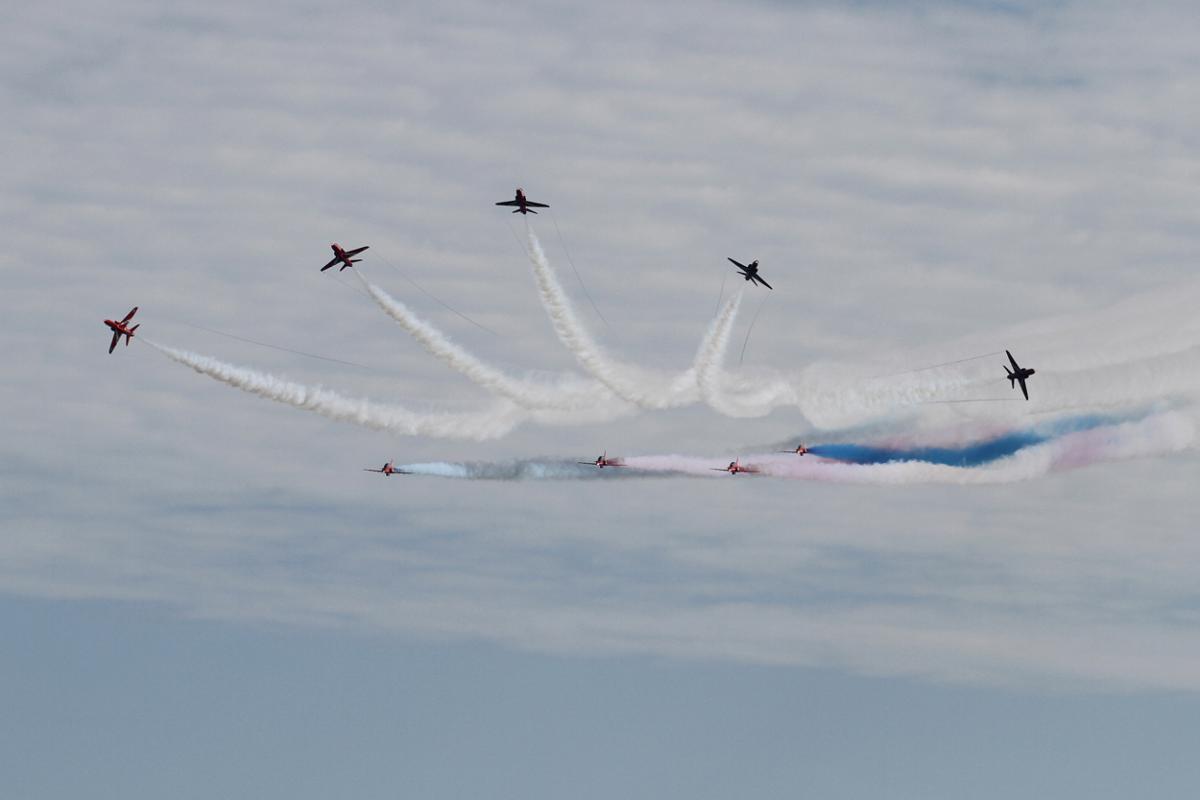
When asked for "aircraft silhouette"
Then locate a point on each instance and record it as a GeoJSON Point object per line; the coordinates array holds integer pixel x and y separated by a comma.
{"type": "Point", "coordinates": [1018, 375]}
{"type": "Point", "coordinates": [750, 272]}
{"type": "Point", "coordinates": [523, 204]}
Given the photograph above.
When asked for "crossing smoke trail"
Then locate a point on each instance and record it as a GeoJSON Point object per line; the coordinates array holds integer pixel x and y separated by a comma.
{"type": "Point", "coordinates": [736, 396]}
{"type": "Point", "coordinates": [641, 387]}
{"type": "Point", "coordinates": [746, 395]}
{"type": "Point", "coordinates": [1144, 350]}
{"type": "Point", "coordinates": [1017, 455]}
{"type": "Point", "coordinates": [394, 419]}
{"type": "Point", "coordinates": [568, 394]}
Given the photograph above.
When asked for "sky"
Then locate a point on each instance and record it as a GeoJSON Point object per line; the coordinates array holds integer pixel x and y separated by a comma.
{"type": "Point", "coordinates": [205, 592]}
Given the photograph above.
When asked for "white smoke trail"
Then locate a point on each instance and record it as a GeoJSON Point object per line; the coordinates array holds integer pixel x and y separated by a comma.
{"type": "Point", "coordinates": [568, 394]}
{"type": "Point", "coordinates": [640, 387]}
{"type": "Point", "coordinates": [751, 397]}
{"type": "Point", "coordinates": [644, 388]}
{"type": "Point", "coordinates": [844, 401]}
{"type": "Point", "coordinates": [745, 396]}
{"type": "Point", "coordinates": [394, 419]}
{"type": "Point", "coordinates": [1142, 349]}
{"type": "Point", "coordinates": [712, 354]}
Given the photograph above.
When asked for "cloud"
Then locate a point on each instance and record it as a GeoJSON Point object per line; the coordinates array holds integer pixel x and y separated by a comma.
{"type": "Point", "coordinates": [908, 177]}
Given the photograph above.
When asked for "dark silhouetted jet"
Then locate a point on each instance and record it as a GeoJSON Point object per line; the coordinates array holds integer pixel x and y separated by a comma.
{"type": "Point", "coordinates": [1018, 375]}
{"type": "Point", "coordinates": [750, 272]}
{"type": "Point", "coordinates": [523, 204]}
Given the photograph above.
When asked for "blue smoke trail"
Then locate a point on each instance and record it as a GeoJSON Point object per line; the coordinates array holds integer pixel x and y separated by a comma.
{"type": "Point", "coordinates": [974, 454]}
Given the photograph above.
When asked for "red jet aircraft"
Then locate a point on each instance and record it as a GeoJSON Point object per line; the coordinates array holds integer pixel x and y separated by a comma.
{"type": "Point", "coordinates": [388, 469]}
{"type": "Point", "coordinates": [800, 450]}
{"type": "Point", "coordinates": [344, 256]}
{"type": "Point", "coordinates": [603, 461]}
{"type": "Point", "coordinates": [735, 467]}
{"type": "Point", "coordinates": [122, 328]}
{"type": "Point", "coordinates": [523, 205]}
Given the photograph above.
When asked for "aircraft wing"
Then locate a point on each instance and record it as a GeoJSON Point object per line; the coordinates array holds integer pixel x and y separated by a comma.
{"type": "Point", "coordinates": [331, 263]}
{"type": "Point", "coordinates": [129, 316]}
{"type": "Point", "coordinates": [357, 250]}
{"type": "Point", "coordinates": [756, 277]}
{"type": "Point", "coordinates": [1012, 361]}
{"type": "Point", "coordinates": [1024, 391]}
{"type": "Point", "coordinates": [738, 264]}
{"type": "Point", "coordinates": [116, 338]}
{"type": "Point", "coordinates": [511, 203]}
{"type": "Point", "coordinates": [536, 205]}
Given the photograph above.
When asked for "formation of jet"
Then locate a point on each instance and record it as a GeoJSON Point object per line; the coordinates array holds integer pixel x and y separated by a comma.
{"type": "Point", "coordinates": [122, 328]}
{"type": "Point", "coordinates": [603, 461]}
{"type": "Point", "coordinates": [750, 272]}
{"type": "Point", "coordinates": [1018, 375]}
{"type": "Point", "coordinates": [523, 204]}
{"type": "Point", "coordinates": [344, 256]}
{"type": "Point", "coordinates": [735, 467]}
{"type": "Point", "coordinates": [388, 469]}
